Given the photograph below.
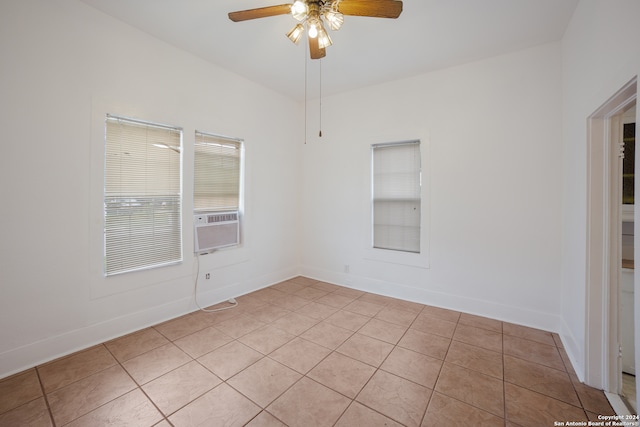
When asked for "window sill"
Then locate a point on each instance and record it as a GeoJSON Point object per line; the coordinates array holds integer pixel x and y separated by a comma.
{"type": "Point", "coordinates": [418, 260]}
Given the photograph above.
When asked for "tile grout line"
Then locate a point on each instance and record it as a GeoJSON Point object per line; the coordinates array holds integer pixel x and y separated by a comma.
{"type": "Point", "coordinates": [305, 375]}
{"type": "Point", "coordinates": [276, 361]}
{"type": "Point", "coordinates": [138, 386]}
{"type": "Point", "coordinates": [302, 375]}
{"type": "Point", "coordinates": [504, 380]}
{"type": "Point", "coordinates": [377, 369]}
{"type": "Point", "coordinates": [44, 395]}
{"type": "Point", "coordinates": [353, 332]}
{"type": "Point", "coordinates": [566, 371]}
{"type": "Point", "coordinates": [396, 346]}
{"type": "Point", "coordinates": [439, 371]}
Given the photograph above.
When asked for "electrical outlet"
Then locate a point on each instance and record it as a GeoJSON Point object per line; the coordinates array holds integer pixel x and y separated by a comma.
{"type": "Point", "coordinates": [347, 269]}
{"type": "Point", "coordinates": [207, 276]}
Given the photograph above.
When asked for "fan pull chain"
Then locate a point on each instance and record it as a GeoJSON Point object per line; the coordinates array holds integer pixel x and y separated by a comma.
{"type": "Point", "coordinates": [305, 93]}
{"type": "Point", "coordinates": [320, 132]}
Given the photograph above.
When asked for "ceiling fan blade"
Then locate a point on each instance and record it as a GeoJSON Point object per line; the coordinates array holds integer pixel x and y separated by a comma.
{"type": "Point", "coordinates": [261, 12]}
{"type": "Point", "coordinates": [373, 8]}
{"type": "Point", "coordinates": [315, 50]}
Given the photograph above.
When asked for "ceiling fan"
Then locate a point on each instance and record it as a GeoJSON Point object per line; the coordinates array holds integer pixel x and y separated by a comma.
{"type": "Point", "coordinates": [313, 13]}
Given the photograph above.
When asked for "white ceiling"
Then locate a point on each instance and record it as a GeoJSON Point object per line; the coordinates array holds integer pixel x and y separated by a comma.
{"type": "Point", "coordinates": [428, 35]}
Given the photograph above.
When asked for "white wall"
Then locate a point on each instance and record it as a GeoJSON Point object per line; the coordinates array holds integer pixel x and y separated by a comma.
{"type": "Point", "coordinates": [600, 55]}
{"type": "Point", "coordinates": [64, 65]}
{"type": "Point", "coordinates": [491, 134]}
{"type": "Point", "coordinates": [504, 238]}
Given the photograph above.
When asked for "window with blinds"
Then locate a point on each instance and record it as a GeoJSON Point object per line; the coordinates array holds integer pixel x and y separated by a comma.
{"type": "Point", "coordinates": [142, 195]}
{"type": "Point", "coordinates": [396, 200]}
{"type": "Point", "coordinates": [217, 173]}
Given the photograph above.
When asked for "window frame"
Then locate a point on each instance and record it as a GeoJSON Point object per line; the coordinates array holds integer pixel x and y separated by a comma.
{"type": "Point", "coordinates": [240, 181]}
{"type": "Point", "coordinates": [391, 198]}
{"type": "Point", "coordinates": [146, 203]}
{"type": "Point", "coordinates": [412, 259]}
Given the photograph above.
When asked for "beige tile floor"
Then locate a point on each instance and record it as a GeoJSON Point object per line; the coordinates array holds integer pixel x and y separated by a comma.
{"type": "Point", "coordinates": [308, 353]}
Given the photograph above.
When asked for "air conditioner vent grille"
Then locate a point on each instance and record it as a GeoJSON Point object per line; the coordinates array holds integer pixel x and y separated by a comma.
{"type": "Point", "coordinates": [222, 217]}
{"type": "Point", "coordinates": [216, 230]}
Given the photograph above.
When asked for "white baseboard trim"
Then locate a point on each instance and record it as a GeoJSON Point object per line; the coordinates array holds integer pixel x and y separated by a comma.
{"type": "Point", "coordinates": [572, 348]}
{"type": "Point", "coordinates": [51, 348]}
{"type": "Point", "coordinates": [619, 405]}
{"type": "Point", "coordinates": [521, 316]}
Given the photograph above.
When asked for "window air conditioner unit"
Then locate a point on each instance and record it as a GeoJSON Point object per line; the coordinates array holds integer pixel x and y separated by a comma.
{"type": "Point", "coordinates": [216, 230]}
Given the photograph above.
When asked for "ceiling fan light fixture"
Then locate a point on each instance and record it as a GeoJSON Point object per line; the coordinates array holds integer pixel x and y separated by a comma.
{"type": "Point", "coordinates": [315, 16]}
{"type": "Point", "coordinates": [313, 29]}
{"type": "Point", "coordinates": [296, 33]}
{"type": "Point", "coordinates": [324, 40]}
{"type": "Point", "coordinates": [299, 10]}
{"type": "Point", "coordinates": [334, 19]}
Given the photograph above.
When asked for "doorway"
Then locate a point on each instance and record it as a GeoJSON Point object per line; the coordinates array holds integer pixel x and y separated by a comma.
{"type": "Point", "coordinates": [607, 218]}
{"type": "Point", "coordinates": [625, 125]}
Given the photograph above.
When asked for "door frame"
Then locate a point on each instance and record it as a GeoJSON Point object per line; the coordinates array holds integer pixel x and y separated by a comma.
{"type": "Point", "coordinates": [602, 340]}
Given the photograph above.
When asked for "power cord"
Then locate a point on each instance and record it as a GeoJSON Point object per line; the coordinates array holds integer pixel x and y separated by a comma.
{"type": "Point", "coordinates": [195, 292]}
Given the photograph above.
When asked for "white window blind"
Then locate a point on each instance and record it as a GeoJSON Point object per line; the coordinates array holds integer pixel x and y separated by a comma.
{"type": "Point", "coordinates": [142, 195]}
{"type": "Point", "coordinates": [217, 170]}
{"type": "Point", "coordinates": [396, 178]}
